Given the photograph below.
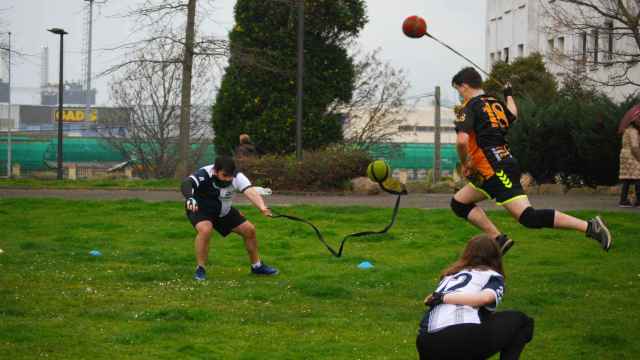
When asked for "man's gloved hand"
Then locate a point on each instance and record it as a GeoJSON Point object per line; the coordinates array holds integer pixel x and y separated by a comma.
{"type": "Point", "coordinates": [192, 204]}
{"type": "Point", "coordinates": [507, 90]}
{"type": "Point", "coordinates": [434, 299]}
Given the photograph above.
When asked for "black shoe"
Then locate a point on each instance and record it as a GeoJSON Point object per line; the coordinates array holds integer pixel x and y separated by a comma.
{"type": "Point", "coordinates": [504, 243]}
{"type": "Point", "coordinates": [598, 231]}
{"type": "Point", "coordinates": [625, 204]}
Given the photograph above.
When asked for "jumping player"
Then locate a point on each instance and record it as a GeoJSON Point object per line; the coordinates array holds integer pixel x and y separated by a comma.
{"type": "Point", "coordinates": [461, 322]}
{"type": "Point", "coordinates": [494, 173]}
{"type": "Point", "coordinates": [208, 193]}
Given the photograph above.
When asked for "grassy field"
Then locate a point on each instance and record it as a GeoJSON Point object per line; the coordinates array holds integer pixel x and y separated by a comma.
{"type": "Point", "coordinates": [154, 184]}
{"type": "Point", "coordinates": [138, 300]}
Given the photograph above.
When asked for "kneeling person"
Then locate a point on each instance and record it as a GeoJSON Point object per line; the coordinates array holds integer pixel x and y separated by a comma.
{"type": "Point", "coordinates": [209, 193]}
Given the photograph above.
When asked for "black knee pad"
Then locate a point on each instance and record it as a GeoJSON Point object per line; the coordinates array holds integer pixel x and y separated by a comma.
{"type": "Point", "coordinates": [537, 219]}
{"type": "Point", "coordinates": [460, 209]}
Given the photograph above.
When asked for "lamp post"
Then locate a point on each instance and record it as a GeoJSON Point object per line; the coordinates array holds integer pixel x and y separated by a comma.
{"type": "Point", "coordinates": [300, 80]}
{"type": "Point", "coordinates": [10, 123]}
{"type": "Point", "coordinates": [62, 33]}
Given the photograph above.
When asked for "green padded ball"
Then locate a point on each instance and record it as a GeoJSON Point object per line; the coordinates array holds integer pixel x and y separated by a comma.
{"type": "Point", "coordinates": [378, 171]}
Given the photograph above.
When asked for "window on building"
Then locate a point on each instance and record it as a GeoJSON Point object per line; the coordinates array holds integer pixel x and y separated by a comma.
{"type": "Point", "coordinates": [492, 56]}
{"type": "Point", "coordinates": [550, 47]}
{"type": "Point", "coordinates": [609, 26]}
{"type": "Point", "coordinates": [596, 45]}
{"type": "Point", "coordinates": [560, 45]}
{"type": "Point", "coordinates": [499, 55]}
{"type": "Point", "coordinates": [583, 40]}
{"type": "Point", "coordinates": [521, 50]}
{"type": "Point", "coordinates": [584, 51]}
{"type": "Point", "coordinates": [506, 55]}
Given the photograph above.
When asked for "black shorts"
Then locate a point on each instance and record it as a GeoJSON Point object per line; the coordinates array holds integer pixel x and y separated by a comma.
{"type": "Point", "coordinates": [504, 185]}
{"type": "Point", "coordinates": [223, 225]}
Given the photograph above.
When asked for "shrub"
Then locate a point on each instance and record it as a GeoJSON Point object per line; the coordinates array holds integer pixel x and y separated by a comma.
{"type": "Point", "coordinates": [573, 138]}
{"type": "Point", "coordinates": [327, 169]}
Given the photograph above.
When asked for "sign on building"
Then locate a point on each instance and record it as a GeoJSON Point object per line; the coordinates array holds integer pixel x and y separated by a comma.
{"type": "Point", "coordinates": [74, 115]}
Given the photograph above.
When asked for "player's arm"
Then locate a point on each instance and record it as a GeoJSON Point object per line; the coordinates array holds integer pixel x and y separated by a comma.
{"type": "Point", "coordinates": [462, 145]}
{"type": "Point", "coordinates": [187, 188]}
{"type": "Point", "coordinates": [482, 298]}
{"type": "Point", "coordinates": [242, 184]}
{"type": "Point", "coordinates": [252, 194]}
{"type": "Point", "coordinates": [510, 101]}
{"type": "Point", "coordinates": [479, 299]}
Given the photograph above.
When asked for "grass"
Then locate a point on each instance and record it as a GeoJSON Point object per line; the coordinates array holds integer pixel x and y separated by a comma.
{"type": "Point", "coordinates": [138, 300]}
{"type": "Point", "coordinates": [155, 184]}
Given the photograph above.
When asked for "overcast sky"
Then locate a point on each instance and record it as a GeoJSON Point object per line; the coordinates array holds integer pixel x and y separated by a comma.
{"type": "Point", "coordinates": [459, 23]}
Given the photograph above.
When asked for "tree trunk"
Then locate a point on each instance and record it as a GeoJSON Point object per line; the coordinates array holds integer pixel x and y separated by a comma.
{"type": "Point", "coordinates": [185, 108]}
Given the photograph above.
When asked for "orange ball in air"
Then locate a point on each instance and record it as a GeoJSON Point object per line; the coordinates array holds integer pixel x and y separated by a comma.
{"type": "Point", "coordinates": [414, 27]}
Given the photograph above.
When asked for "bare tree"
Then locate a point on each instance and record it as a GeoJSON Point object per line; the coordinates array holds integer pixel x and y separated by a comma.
{"type": "Point", "coordinates": [607, 33]}
{"type": "Point", "coordinates": [378, 105]}
{"type": "Point", "coordinates": [149, 94]}
{"type": "Point", "coordinates": [160, 20]}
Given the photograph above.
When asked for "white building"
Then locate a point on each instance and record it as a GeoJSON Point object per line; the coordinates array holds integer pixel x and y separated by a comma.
{"type": "Point", "coordinates": [517, 28]}
{"type": "Point", "coordinates": [416, 127]}
{"type": "Point", "coordinates": [419, 126]}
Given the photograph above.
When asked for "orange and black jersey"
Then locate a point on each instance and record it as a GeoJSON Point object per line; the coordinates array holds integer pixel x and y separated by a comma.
{"type": "Point", "coordinates": [486, 120]}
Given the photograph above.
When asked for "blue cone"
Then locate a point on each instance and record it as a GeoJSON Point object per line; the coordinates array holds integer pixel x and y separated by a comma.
{"type": "Point", "coordinates": [95, 253]}
{"type": "Point", "coordinates": [365, 265]}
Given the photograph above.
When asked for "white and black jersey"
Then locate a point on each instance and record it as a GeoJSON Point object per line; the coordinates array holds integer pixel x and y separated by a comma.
{"type": "Point", "coordinates": [464, 281]}
{"type": "Point", "coordinates": [212, 198]}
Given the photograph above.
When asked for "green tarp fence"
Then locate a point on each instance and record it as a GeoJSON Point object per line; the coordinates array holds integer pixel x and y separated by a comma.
{"type": "Point", "coordinates": [33, 153]}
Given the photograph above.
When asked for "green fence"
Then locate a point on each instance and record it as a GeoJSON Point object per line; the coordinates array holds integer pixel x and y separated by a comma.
{"type": "Point", "coordinates": [34, 153]}
{"type": "Point", "coordinates": [39, 153]}
{"type": "Point", "coordinates": [416, 156]}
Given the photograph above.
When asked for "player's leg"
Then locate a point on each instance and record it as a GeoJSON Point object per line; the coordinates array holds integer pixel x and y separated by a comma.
{"type": "Point", "coordinates": [506, 332]}
{"type": "Point", "coordinates": [248, 232]}
{"type": "Point", "coordinates": [201, 244]}
{"type": "Point", "coordinates": [520, 208]}
{"type": "Point", "coordinates": [453, 342]}
{"type": "Point", "coordinates": [235, 222]}
{"type": "Point", "coordinates": [464, 206]}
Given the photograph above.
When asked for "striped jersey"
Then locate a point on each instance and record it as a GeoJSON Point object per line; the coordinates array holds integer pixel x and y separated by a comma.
{"type": "Point", "coordinates": [486, 120]}
{"type": "Point", "coordinates": [214, 199]}
{"type": "Point", "coordinates": [464, 281]}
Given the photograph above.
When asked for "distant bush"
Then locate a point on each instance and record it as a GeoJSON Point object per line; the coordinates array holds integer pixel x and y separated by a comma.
{"type": "Point", "coordinates": [573, 138]}
{"type": "Point", "coordinates": [327, 169]}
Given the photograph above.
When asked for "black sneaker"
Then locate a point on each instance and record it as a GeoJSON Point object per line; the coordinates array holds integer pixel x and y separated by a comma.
{"type": "Point", "coordinates": [625, 204]}
{"type": "Point", "coordinates": [504, 243]}
{"type": "Point", "coordinates": [264, 269]}
{"type": "Point", "coordinates": [201, 274]}
{"type": "Point", "coordinates": [598, 231]}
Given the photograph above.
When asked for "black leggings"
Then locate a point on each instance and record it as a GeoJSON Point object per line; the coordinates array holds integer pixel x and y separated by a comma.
{"type": "Point", "coordinates": [624, 192]}
{"type": "Point", "coordinates": [506, 332]}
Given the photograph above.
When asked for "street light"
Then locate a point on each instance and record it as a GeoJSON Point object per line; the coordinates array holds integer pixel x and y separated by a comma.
{"type": "Point", "coordinates": [62, 33]}
{"type": "Point", "coordinates": [300, 80]}
{"type": "Point", "coordinates": [10, 122]}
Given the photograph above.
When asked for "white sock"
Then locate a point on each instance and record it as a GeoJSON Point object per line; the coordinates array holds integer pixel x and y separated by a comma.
{"type": "Point", "coordinates": [256, 265]}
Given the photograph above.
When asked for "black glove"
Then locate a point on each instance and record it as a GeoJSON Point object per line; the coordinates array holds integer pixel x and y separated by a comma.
{"type": "Point", "coordinates": [436, 299]}
{"type": "Point", "coordinates": [507, 90]}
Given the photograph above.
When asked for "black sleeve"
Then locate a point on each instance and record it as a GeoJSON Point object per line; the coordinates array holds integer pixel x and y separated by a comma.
{"type": "Point", "coordinates": [466, 121]}
{"type": "Point", "coordinates": [187, 187]}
